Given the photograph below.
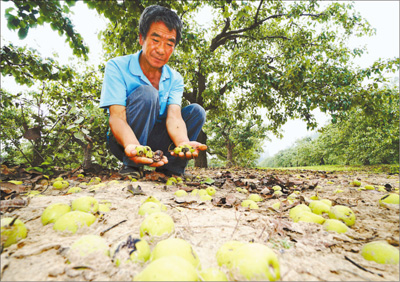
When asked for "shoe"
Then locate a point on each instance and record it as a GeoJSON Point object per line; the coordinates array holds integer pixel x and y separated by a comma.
{"type": "Point", "coordinates": [135, 172]}
{"type": "Point", "coordinates": [171, 173]}
{"type": "Point", "coordinates": [167, 172]}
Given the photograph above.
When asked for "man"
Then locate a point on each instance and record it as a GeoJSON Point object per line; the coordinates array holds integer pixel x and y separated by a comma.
{"type": "Point", "coordinates": [143, 98]}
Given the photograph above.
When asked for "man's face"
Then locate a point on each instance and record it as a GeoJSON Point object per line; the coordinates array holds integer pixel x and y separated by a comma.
{"type": "Point", "coordinates": [158, 45]}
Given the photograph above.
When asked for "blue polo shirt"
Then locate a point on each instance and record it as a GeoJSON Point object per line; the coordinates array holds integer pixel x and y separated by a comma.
{"type": "Point", "coordinates": [124, 74]}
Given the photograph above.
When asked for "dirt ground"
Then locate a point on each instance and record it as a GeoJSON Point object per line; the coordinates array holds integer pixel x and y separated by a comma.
{"type": "Point", "coordinates": [306, 252]}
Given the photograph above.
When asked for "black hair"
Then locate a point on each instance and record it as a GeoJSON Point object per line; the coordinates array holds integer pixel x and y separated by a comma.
{"type": "Point", "coordinates": [156, 13]}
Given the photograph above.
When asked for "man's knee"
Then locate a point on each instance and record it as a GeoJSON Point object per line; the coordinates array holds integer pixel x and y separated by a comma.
{"type": "Point", "coordinates": [146, 94]}
{"type": "Point", "coordinates": [197, 111]}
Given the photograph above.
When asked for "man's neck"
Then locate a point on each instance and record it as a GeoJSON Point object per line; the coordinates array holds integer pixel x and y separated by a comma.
{"type": "Point", "coordinates": [152, 74]}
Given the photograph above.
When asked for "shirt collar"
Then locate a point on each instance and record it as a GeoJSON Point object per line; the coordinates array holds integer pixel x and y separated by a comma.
{"type": "Point", "coordinates": [135, 69]}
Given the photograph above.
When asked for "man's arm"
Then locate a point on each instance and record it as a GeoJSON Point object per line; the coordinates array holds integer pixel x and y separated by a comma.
{"type": "Point", "coordinates": [177, 131]}
{"type": "Point", "coordinates": [125, 136]}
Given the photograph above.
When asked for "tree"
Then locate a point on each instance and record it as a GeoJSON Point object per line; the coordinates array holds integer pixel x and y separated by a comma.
{"type": "Point", "coordinates": [234, 141]}
{"type": "Point", "coordinates": [287, 57]}
{"type": "Point", "coordinates": [28, 14]}
{"type": "Point", "coordinates": [368, 136]}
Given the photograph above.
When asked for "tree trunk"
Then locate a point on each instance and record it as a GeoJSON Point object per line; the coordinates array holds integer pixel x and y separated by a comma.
{"type": "Point", "coordinates": [201, 160]}
{"type": "Point", "coordinates": [229, 155]}
{"type": "Point", "coordinates": [87, 158]}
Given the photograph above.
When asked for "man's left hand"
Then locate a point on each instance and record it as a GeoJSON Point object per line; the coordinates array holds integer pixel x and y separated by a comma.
{"type": "Point", "coordinates": [191, 155]}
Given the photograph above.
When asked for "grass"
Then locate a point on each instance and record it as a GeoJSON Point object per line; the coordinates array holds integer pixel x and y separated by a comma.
{"type": "Point", "coordinates": [392, 169]}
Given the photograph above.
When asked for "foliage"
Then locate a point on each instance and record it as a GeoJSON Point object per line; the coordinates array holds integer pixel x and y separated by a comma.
{"type": "Point", "coordinates": [57, 126]}
{"type": "Point", "coordinates": [368, 136]}
{"type": "Point", "coordinates": [27, 66]}
{"type": "Point", "coordinates": [235, 141]}
{"type": "Point", "coordinates": [28, 14]}
{"type": "Point", "coordinates": [286, 57]}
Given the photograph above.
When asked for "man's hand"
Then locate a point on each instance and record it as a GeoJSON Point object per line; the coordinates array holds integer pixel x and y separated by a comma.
{"type": "Point", "coordinates": [131, 152]}
{"type": "Point", "coordinates": [190, 155]}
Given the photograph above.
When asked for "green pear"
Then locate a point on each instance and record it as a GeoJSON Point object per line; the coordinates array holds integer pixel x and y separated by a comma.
{"type": "Point", "coordinates": [180, 193]}
{"type": "Point", "coordinates": [54, 212]}
{"type": "Point", "coordinates": [213, 274]}
{"type": "Point", "coordinates": [299, 208]}
{"type": "Point", "coordinates": [155, 200]}
{"type": "Point", "coordinates": [307, 216]}
{"type": "Point", "coordinates": [319, 207]}
{"type": "Point", "coordinates": [12, 231]}
{"type": "Point", "coordinates": [74, 190]}
{"type": "Point", "coordinates": [381, 252]}
{"type": "Point", "coordinates": [60, 184]}
{"type": "Point", "coordinates": [224, 253]}
{"type": "Point", "coordinates": [342, 213]}
{"type": "Point", "coordinates": [85, 204]}
{"type": "Point", "coordinates": [254, 261]}
{"type": "Point", "coordinates": [389, 200]}
{"type": "Point", "coordinates": [205, 197]}
{"type": "Point", "coordinates": [335, 225]}
{"type": "Point", "coordinates": [250, 204]}
{"type": "Point", "coordinates": [255, 197]}
{"type": "Point", "coordinates": [176, 247]}
{"type": "Point", "coordinates": [88, 244]}
{"type": "Point", "coordinates": [142, 252]}
{"type": "Point", "coordinates": [149, 208]}
{"type": "Point", "coordinates": [73, 220]}
{"type": "Point", "coordinates": [169, 268]}
{"type": "Point", "coordinates": [202, 192]}
{"type": "Point", "coordinates": [157, 224]}
{"type": "Point", "coordinates": [211, 191]}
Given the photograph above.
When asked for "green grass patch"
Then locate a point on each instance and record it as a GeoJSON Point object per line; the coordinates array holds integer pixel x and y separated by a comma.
{"type": "Point", "coordinates": [390, 169]}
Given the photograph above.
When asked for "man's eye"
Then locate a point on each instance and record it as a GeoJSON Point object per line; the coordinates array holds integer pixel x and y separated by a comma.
{"type": "Point", "coordinates": [155, 40]}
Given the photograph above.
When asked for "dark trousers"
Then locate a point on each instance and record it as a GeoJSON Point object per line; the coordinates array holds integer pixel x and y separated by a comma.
{"type": "Point", "coordinates": [142, 110]}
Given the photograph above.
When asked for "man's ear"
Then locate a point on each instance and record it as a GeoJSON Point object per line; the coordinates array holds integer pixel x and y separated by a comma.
{"type": "Point", "coordinates": [141, 41]}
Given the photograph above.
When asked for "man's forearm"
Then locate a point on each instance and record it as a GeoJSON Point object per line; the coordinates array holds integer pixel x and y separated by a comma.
{"type": "Point", "coordinates": [122, 132]}
{"type": "Point", "coordinates": [177, 130]}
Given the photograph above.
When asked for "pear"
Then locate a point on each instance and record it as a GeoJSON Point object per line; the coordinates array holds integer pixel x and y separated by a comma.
{"type": "Point", "coordinates": [169, 268]}
{"type": "Point", "coordinates": [85, 204]}
{"type": "Point", "coordinates": [335, 225]}
{"type": "Point", "coordinates": [157, 224]}
{"type": "Point", "coordinates": [87, 245]}
{"type": "Point", "coordinates": [293, 212]}
{"type": "Point", "coordinates": [342, 213]}
{"type": "Point", "coordinates": [211, 191]}
{"type": "Point", "coordinates": [254, 261]}
{"type": "Point", "coordinates": [175, 247]}
{"type": "Point", "coordinates": [180, 193]}
{"type": "Point", "coordinates": [389, 200]}
{"type": "Point", "coordinates": [149, 208]}
{"type": "Point", "coordinates": [306, 216]}
{"type": "Point", "coordinates": [255, 197]}
{"type": "Point", "coordinates": [12, 231]}
{"type": "Point", "coordinates": [73, 220]}
{"type": "Point", "coordinates": [224, 253]}
{"type": "Point", "coordinates": [54, 212]}
{"type": "Point", "coordinates": [319, 207]}
{"type": "Point", "coordinates": [381, 252]}
{"type": "Point", "coordinates": [213, 274]}
{"type": "Point", "coordinates": [155, 200]}
{"type": "Point", "coordinates": [250, 204]}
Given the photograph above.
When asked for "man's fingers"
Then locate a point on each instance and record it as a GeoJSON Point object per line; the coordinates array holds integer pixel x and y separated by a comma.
{"type": "Point", "coordinates": [202, 147]}
{"type": "Point", "coordinates": [142, 160]}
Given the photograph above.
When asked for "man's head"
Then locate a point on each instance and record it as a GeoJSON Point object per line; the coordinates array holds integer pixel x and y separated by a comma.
{"type": "Point", "coordinates": [156, 13]}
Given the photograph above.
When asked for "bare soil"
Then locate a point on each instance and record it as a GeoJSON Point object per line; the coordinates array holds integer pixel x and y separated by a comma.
{"type": "Point", "coordinates": [306, 251]}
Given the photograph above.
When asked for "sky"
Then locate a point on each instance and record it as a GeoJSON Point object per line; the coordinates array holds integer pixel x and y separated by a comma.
{"type": "Point", "coordinates": [382, 15]}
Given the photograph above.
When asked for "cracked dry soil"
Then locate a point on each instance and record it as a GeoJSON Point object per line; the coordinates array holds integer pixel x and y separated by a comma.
{"type": "Point", "coordinates": [306, 251]}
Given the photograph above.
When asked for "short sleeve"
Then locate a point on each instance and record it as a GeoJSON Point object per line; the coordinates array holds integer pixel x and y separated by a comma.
{"type": "Point", "coordinates": [176, 92]}
{"type": "Point", "coordinates": [114, 90]}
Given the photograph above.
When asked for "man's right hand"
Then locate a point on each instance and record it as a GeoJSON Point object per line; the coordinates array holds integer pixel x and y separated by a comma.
{"type": "Point", "coordinates": [130, 151]}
